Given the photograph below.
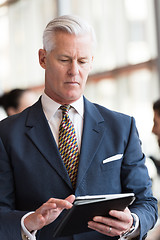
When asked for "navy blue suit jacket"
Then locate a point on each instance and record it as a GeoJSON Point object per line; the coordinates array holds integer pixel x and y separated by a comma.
{"type": "Point", "coordinates": [32, 171]}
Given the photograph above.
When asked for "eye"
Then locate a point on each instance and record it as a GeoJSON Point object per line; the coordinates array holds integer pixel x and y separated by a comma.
{"type": "Point", "coordinates": [64, 60]}
{"type": "Point", "coordinates": [82, 62]}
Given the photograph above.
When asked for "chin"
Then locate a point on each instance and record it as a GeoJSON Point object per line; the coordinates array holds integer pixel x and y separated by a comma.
{"type": "Point", "coordinates": [73, 97]}
{"type": "Point", "coordinates": [69, 101]}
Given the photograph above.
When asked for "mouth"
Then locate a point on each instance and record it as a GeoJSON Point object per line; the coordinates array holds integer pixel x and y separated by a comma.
{"type": "Point", "coordinates": [72, 83]}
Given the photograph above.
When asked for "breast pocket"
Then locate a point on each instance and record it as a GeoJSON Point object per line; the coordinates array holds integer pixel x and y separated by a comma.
{"type": "Point", "coordinates": [112, 162]}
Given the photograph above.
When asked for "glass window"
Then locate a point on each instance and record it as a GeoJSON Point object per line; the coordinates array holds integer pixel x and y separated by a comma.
{"type": "Point", "coordinates": [125, 30]}
{"type": "Point", "coordinates": [22, 24]}
{"type": "Point", "coordinates": [126, 35]}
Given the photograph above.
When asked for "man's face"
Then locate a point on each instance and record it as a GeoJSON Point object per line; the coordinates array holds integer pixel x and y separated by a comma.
{"type": "Point", "coordinates": [156, 126]}
{"type": "Point", "coordinates": [67, 67]}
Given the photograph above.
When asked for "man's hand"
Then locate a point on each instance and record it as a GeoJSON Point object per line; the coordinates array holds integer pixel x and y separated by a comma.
{"type": "Point", "coordinates": [47, 213]}
{"type": "Point", "coordinates": [113, 227]}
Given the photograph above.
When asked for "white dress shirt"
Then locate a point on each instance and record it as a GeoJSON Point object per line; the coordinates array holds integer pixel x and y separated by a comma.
{"type": "Point", "coordinates": [54, 116]}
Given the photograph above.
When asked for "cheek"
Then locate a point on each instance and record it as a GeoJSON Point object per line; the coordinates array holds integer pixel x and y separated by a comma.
{"type": "Point", "coordinates": [60, 71]}
{"type": "Point", "coordinates": [55, 74]}
{"type": "Point", "coordinates": [84, 75]}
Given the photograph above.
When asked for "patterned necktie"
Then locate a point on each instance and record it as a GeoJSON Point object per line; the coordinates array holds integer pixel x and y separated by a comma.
{"type": "Point", "coordinates": [68, 146]}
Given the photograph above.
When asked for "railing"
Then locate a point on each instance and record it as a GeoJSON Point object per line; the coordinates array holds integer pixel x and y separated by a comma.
{"type": "Point", "coordinates": [123, 70]}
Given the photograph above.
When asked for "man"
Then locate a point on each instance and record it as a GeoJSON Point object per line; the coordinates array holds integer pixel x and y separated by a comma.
{"type": "Point", "coordinates": [33, 176]}
{"type": "Point", "coordinates": [156, 120]}
{"type": "Point", "coordinates": [156, 129]}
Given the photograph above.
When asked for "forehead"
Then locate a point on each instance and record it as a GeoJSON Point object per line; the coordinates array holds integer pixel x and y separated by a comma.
{"type": "Point", "coordinates": [65, 42]}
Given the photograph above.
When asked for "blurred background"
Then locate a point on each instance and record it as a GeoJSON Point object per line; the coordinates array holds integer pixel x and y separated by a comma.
{"type": "Point", "coordinates": [126, 71]}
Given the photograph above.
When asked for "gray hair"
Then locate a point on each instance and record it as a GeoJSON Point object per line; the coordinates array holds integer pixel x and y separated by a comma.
{"type": "Point", "coordinates": [69, 24]}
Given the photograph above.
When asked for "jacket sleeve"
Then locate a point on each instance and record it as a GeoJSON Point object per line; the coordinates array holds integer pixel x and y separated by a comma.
{"type": "Point", "coordinates": [9, 218]}
{"type": "Point", "coordinates": [136, 179]}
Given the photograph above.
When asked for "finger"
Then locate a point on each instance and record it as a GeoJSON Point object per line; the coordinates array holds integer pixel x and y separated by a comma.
{"type": "Point", "coordinates": [106, 221]}
{"type": "Point", "coordinates": [116, 224]}
{"type": "Point", "coordinates": [48, 206]}
{"type": "Point", "coordinates": [70, 198]}
{"type": "Point", "coordinates": [60, 203]}
{"type": "Point", "coordinates": [104, 229]}
{"type": "Point", "coordinates": [123, 216]}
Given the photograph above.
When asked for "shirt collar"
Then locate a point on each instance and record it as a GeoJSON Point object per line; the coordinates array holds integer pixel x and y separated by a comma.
{"type": "Point", "coordinates": [50, 107]}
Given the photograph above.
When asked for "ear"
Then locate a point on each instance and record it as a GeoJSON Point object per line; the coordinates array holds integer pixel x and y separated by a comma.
{"type": "Point", "coordinates": [42, 58]}
{"type": "Point", "coordinates": [91, 65]}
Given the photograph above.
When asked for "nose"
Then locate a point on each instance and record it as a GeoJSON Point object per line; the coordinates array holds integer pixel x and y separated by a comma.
{"type": "Point", "coordinates": [154, 130]}
{"type": "Point", "coordinates": [74, 68]}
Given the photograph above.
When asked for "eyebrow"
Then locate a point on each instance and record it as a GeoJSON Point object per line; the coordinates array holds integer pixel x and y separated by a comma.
{"type": "Point", "coordinates": [67, 56]}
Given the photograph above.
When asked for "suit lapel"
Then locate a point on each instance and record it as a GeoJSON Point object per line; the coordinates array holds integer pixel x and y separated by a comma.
{"type": "Point", "coordinates": [39, 132]}
{"type": "Point", "coordinates": [93, 131]}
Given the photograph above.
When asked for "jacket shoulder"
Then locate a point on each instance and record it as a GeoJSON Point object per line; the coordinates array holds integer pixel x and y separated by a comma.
{"type": "Point", "coordinates": [112, 115]}
{"type": "Point", "coordinates": [18, 121]}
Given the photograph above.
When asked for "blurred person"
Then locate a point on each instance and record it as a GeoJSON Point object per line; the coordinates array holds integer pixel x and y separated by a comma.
{"type": "Point", "coordinates": [17, 100]}
{"type": "Point", "coordinates": [156, 130]}
{"type": "Point", "coordinates": [156, 120]}
{"type": "Point", "coordinates": [35, 183]}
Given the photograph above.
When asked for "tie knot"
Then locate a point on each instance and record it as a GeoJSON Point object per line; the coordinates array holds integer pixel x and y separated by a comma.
{"type": "Point", "coordinates": [65, 108]}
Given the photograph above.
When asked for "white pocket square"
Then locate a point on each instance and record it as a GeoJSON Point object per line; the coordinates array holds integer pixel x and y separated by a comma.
{"type": "Point", "coordinates": [113, 158]}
